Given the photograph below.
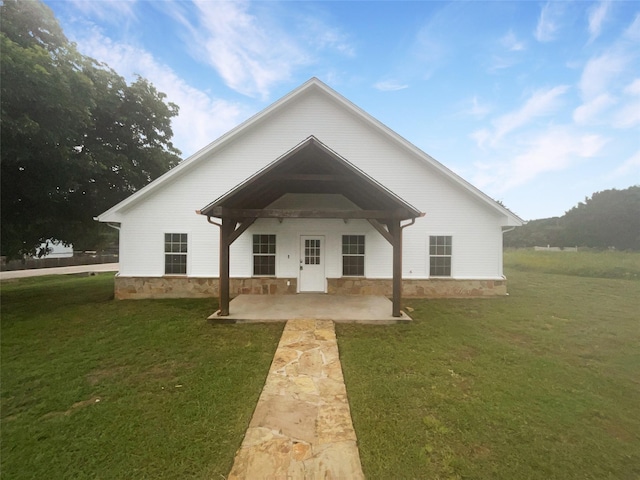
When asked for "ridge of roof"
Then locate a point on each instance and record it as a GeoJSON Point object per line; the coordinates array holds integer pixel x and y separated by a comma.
{"type": "Point", "coordinates": [312, 83]}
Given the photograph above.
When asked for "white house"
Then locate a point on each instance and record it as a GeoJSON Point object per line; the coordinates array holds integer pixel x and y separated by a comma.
{"type": "Point", "coordinates": [310, 195]}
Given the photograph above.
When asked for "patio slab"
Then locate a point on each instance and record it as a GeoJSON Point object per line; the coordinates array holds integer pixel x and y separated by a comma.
{"type": "Point", "coordinates": [339, 308]}
{"type": "Point", "coordinates": [301, 427]}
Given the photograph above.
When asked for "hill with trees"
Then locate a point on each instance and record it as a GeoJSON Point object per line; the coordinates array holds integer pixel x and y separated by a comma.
{"type": "Point", "coordinates": [76, 137]}
{"type": "Point", "coordinates": [607, 219]}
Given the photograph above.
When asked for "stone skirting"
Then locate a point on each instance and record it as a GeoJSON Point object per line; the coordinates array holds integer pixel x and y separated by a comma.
{"type": "Point", "coordinates": [192, 287]}
{"type": "Point", "coordinates": [197, 287]}
{"type": "Point", "coordinates": [423, 288]}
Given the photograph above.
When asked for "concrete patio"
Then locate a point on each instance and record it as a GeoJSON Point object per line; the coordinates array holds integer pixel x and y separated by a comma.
{"type": "Point", "coordinates": [339, 308]}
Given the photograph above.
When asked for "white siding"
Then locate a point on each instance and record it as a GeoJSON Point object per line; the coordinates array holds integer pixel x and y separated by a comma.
{"type": "Point", "coordinates": [450, 209]}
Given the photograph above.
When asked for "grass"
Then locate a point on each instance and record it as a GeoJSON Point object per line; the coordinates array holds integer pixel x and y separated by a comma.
{"type": "Point", "coordinates": [96, 388]}
{"type": "Point", "coordinates": [541, 384]}
{"type": "Point", "coordinates": [584, 263]}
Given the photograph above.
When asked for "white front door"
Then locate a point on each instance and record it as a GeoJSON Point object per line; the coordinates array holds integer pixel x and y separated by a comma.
{"type": "Point", "coordinates": [311, 264]}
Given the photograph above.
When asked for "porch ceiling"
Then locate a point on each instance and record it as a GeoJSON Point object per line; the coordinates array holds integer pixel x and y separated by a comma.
{"type": "Point", "coordinates": [310, 167]}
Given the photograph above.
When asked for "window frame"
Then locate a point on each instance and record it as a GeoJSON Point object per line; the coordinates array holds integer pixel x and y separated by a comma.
{"type": "Point", "coordinates": [443, 251]}
{"type": "Point", "coordinates": [179, 252]}
{"type": "Point", "coordinates": [255, 254]}
{"type": "Point", "coordinates": [351, 255]}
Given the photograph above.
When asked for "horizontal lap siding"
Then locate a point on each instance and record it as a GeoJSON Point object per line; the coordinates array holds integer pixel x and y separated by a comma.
{"type": "Point", "coordinates": [449, 208]}
{"type": "Point", "coordinates": [378, 260]}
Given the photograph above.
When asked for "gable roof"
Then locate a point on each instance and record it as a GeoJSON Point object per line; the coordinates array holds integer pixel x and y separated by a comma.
{"type": "Point", "coordinates": [313, 84]}
{"type": "Point", "coordinates": [312, 167]}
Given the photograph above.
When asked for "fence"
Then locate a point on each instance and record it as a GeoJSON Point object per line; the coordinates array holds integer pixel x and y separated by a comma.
{"type": "Point", "coordinates": [76, 259]}
{"type": "Point", "coordinates": [555, 249]}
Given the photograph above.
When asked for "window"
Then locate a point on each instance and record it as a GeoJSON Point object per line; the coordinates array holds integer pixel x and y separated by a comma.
{"type": "Point", "coordinates": [264, 255]}
{"type": "Point", "coordinates": [175, 253]}
{"type": "Point", "coordinates": [440, 256]}
{"type": "Point", "coordinates": [312, 251]}
{"type": "Point", "coordinates": [353, 255]}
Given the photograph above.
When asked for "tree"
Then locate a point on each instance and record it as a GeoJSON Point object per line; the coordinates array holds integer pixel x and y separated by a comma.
{"type": "Point", "coordinates": [610, 218]}
{"type": "Point", "coordinates": [607, 219]}
{"type": "Point", "coordinates": [76, 138]}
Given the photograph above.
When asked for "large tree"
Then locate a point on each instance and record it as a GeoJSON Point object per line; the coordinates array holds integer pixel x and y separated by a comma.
{"type": "Point", "coordinates": [607, 219]}
{"type": "Point", "coordinates": [76, 138]}
{"type": "Point", "coordinates": [610, 218]}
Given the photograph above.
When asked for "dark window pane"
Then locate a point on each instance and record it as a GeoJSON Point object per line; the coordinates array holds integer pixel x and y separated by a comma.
{"type": "Point", "coordinates": [353, 255]}
{"type": "Point", "coordinates": [175, 264]}
{"type": "Point", "coordinates": [440, 267]}
{"type": "Point", "coordinates": [264, 265]}
{"type": "Point", "coordinates": [353, 266]}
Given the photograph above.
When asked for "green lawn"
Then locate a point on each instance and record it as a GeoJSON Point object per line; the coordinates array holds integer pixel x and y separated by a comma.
{"type": "Point", "coordinates": [96, 388]}
{"type": "Point", "coordinates": [541, 384]}
{"type": "Point", "coordinates": [584, 263]}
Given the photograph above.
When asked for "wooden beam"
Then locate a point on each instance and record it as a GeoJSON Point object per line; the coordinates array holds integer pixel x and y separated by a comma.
{"type": "Point", "coordinates": [242, 227]}
{"type": "Point", "coordinates": [314, 177]}
{"type": "Point", "coordinates": [380, 228]}
{"type": "Point", "coordinates": [223, 212]}
{"type": "Point", "coordinates": [226, 231]}
{"type": "Point", "coordinates": [396, 232]}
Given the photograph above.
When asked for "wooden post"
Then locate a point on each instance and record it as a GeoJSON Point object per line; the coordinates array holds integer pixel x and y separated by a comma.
{"type": "Point", "coordinates": [228, 226]}
{"type": "Point", "coordinates": [396, 232]}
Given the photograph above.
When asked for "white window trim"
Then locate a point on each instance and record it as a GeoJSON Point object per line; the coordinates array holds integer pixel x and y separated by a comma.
{"type": "Point", "coordinates": [342, 255]}
{"type": "Point", "coordinates": [439, 256]}
{"type": "Point", "coordinates": [187, 254]}
{"type": "Point", "coordinates": [275, 256]}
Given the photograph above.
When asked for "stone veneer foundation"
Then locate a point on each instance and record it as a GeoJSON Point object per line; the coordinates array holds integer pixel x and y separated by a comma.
{"type": "Point", "coordinates": [191, 287]}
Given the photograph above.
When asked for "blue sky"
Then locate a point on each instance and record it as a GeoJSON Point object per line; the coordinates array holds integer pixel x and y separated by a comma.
{"type": "Point", "coordinates": [535, 103]}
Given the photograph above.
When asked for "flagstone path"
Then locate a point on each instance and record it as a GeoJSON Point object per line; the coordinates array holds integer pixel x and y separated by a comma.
{"type": "Point", "coordinates": [301, 428]}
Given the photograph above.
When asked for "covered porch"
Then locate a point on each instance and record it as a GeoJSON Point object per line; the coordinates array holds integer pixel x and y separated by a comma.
{"type": "Point", "coordinates": [311, 167]}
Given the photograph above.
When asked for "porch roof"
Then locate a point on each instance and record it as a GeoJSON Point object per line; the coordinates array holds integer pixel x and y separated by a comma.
{"type": "Point", "coordinates": [311, 167]}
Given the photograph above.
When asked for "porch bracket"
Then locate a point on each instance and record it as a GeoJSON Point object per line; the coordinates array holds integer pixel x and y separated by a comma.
{"type": "Point", "coordinates": [230, 230]}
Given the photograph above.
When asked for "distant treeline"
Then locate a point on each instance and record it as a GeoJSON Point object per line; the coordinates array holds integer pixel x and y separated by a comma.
{"type": "Point", "coordinates": [607, 219]}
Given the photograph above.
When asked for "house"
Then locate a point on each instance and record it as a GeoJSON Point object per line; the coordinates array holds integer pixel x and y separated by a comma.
{"type": "Point", "coordinates": [310, 195]}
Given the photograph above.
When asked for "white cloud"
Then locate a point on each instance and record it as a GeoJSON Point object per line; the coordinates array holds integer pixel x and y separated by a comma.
{"type": "Point", "coordinates": [549, 21]}
{"type": "Point", "coordinates": [325, 37]}
{"type": "Point", "coordinates": [628, 116]}
{"type": "Point", "coordinates": [114, 12]}
{"type": "Point", "coordinates": [511, 42]}
{"type": "Point", "coordinates": [633, 88]}
{"type": "Point", "coordinates": [633, 31]}
{"type": "Point", "coordinates": [553, 150]}
{"type": "Point", "coordinates": [253, 47]}
{"type": "Point", "coordinates": [597, 15]}
{"type": "Point", "coordinates": [600, 71]}
{"type": "Point", "coordinates": [591, 111]}
{"type": "Point", "coordinates": [201, 119]}
{"type": "Point", "coordinates": [250, 56]}
{"type": "Point", "coordinates": [541, 103]}
{"type": "Point", "coordinates": [390, 86]}
{"type": "Point", "coordinates": [629, 168]}
{"type": "Point", "coordinates": [478, 109]}
{"type": "Point", "coordinates": [481, 136]}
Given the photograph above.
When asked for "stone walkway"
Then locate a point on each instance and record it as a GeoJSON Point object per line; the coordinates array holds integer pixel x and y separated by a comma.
{"type": "Point", "coordinates": [301, 428]}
